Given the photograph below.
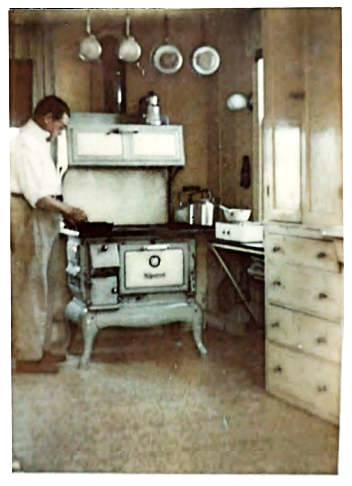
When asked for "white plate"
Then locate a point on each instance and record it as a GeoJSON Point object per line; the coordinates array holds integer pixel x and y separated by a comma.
{"type": "Point", "coordinates": [205, 60]}
{"type": "Point", "coordinates": [167, 59]}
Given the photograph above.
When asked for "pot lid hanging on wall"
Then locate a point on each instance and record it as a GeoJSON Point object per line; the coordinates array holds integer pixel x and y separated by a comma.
{"type": "Point", "coordinates": [205, 60]}
{"type": "Point", "coordinates": [167, 58]}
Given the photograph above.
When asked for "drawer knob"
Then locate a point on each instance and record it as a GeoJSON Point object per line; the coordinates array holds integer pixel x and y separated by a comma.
{"type": "Point", "coordinates": [277, 283]}
{"type": "Point", "coordinates": [276, 249]}
{"type": "Point", "coordinates": [323, 296]}
{"type": "Point", "coordinates": [277, 369]}
{"type": "Point", "coordinates": [321, 255]}
{"type": "Point", "coordinates": [321, 340]}
{"type": "Point", "coordinates": [275, 324]}
{"type": "Point", "coordinates": [322, 388]}
{"type": "Point", "coordinates": [114, 290]}
{"type": "Point", "coordinates": [104, 248]}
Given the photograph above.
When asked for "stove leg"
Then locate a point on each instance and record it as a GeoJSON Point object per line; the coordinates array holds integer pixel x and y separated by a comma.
{"type": "Point", "coordinates": [197, 326]}
{"type": "Point", "coordinates": [89, 331]}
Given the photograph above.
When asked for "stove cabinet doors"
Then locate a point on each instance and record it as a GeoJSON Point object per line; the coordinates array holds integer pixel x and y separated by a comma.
{"type": "Point", "coordinates": [97, 141]}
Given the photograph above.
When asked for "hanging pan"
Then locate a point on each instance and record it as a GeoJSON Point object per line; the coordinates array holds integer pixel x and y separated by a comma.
{"type": "Point", "coordinates": [129, 50]}
{"type": "Point", "coordinates": [167, 58]}
{"type": "Point", "coordinates": [205, 60]}
{"type": "Point", "coordinates": [89, 49]}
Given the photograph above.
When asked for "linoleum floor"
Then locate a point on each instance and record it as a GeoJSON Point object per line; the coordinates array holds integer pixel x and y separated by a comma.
{"type": "Point", "coordinates": [149, 404]}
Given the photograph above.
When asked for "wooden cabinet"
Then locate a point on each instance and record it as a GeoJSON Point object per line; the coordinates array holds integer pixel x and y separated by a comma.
{"type": "Point", "coordinates": [302, 160]}
{"type": "Point", "coordinates": [304, 295]}
{"type": "Point", "coordinates": [303, 116]}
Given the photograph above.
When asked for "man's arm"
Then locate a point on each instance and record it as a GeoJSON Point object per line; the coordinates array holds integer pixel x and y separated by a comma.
{"type": "Point", "coordinates": [70, 214]}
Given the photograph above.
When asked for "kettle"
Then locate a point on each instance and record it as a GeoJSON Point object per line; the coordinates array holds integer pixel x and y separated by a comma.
{"type": "Point", "coordinates": [152, 113]}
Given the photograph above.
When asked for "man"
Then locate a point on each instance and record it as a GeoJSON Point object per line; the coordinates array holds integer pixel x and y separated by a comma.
{"type": "Point", "coordinates": [36, 211]}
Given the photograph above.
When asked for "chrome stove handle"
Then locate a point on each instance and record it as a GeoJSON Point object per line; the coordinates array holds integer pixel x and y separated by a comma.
{"type": "Point", "coordinates": [156, 247]}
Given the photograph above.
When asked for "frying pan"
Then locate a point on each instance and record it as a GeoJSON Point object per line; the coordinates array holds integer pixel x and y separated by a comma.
{"type": "Point", "coordinates": [167, 58]}
{"type": "Point", "coordinates": [205, 60]}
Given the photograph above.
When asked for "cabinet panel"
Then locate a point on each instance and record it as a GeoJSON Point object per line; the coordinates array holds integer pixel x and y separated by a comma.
{"type": "Point", "coordinates": [282, 175]}
{"type": "Point", "coordinates": [305, 333]}
{"type": "Point", "coordinates": [158, 144]}
{"type": "Point", "coordinates": [283, 42]}
{"type": "Point", "coordinates": [323, 118]}
{"type": "Point", "coordinates": [315, 383]}
{"type": "Point", "coordinates": [95, 144]}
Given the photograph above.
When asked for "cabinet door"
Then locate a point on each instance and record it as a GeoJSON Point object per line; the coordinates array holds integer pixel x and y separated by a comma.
{"type": "Point", "coordinates": [92, 145]}
{"type": "Point", "coordinates": [323, 119]}
{"type": "Point", "coordinates": [283, 51]}
{"type": "Point", "coordinates": [282, 174]}
{"type": "Point", "coordinates": [158, 145]}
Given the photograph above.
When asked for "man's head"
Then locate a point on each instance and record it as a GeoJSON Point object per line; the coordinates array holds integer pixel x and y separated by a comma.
{"type": "Point", "coordinates": [52, 114]}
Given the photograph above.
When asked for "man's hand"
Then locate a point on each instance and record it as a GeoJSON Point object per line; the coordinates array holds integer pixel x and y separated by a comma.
{"type": "Point", "coordinates": [74, 215]}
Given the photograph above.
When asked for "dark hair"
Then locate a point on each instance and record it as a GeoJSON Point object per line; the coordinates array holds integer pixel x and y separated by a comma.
{"type": "Point", "coordinates": [54, 105]}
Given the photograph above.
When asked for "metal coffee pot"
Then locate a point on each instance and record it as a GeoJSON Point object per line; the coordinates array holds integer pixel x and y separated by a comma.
{"type": "Point", "coordinates": [153, 111]}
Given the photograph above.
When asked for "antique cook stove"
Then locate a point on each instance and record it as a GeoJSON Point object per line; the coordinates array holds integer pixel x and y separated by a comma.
{"type": "Point", "coordinates": [128, 266]}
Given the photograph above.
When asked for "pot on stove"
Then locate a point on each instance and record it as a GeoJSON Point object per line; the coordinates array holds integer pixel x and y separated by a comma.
{"type": "Point", "coordinates": [184, 211]}
{"type": "Point", "coordinates": [196, 206]}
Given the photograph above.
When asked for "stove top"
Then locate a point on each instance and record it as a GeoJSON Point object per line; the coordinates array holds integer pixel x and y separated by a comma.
{"type": "Point", "coordinates": [102, 229]}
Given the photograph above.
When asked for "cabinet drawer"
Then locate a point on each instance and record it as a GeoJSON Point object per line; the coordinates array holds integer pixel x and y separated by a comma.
{"type": "Point", "coordinates": [304, 380]}
{"type": "Point", "coordinates": [311, 253]}
{"type": "Point", "coordinates": [305, 289]}
{"type": "Point", "coordinates": [305, 333]}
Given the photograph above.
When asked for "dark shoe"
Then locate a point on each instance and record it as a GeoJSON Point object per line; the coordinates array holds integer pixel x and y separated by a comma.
{"type": "Point", "coordinates": [53, 358]}
{"type": "Point", "coordinates": [36, 367]}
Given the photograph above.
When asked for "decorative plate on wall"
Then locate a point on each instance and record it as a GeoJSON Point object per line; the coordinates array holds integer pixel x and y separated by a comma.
{"type": "Point", "coordinates": [205, 60]}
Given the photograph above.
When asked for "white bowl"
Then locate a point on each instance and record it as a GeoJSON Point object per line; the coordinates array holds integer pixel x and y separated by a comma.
{"type": "Point", "coordinates": [237, 215]}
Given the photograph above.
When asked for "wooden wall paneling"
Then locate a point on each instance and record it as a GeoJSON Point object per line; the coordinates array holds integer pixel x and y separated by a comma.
{"type": "Point", "coordinates": [20, 91]}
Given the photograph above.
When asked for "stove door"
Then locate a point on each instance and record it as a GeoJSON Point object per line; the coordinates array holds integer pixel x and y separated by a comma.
{"type": "Point", "coordinates": [154, 268]}
{"type": "Point", "coordinates": [103, 291]}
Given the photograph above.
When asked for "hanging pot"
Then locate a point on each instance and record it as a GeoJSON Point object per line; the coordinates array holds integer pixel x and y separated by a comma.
{"type": "Point", "coordinates": [167, 58]}
{"type": "Point", "coordinates": [205, 60]}
{"type": "Point", "coordinates": [89, 49]}
{"type": "Point", "coordinates": [129, 50]}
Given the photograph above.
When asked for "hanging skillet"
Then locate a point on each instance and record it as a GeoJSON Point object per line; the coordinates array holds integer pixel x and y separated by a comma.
{"type": "Point", "coordinates": [167, 58]}
{"type": "Point", "coordinates": [205, 60]}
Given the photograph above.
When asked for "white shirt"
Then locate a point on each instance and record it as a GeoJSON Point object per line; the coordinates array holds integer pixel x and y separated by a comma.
{"type": "Point", "coordinates": [32, 169]}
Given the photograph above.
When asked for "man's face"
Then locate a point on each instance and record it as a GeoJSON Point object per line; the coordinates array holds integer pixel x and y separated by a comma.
{"type": "Point", "coordinates": [55, 127]}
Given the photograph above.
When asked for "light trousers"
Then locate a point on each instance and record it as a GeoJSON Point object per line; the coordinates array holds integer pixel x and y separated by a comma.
{"type": "Point", "coordinates": [33, 234]}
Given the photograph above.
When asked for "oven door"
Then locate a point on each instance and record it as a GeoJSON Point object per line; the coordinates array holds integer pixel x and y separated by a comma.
{"type": "Point", "coordinates": [149, 268]}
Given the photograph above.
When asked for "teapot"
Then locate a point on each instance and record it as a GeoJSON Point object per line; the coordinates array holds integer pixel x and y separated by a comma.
{"type": "Point", "coordinates": [150, 109]}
